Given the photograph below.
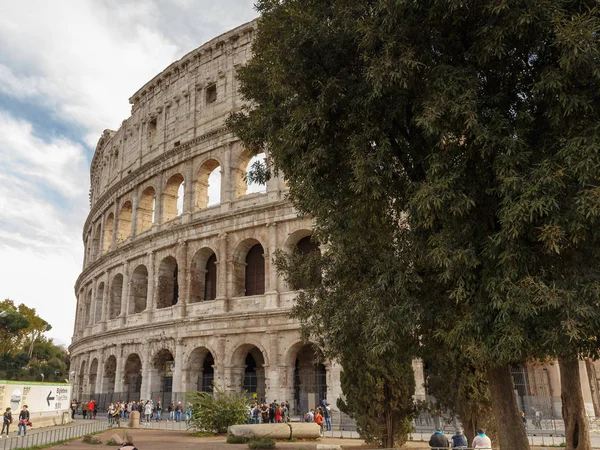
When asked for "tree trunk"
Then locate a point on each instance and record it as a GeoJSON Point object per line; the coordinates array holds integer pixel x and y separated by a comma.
{"type": "Point", "coordinates": [573, 409]}
{"type": "Point", "coordinates": [469, 430]}
{"type": "Point", "coordinates": [511, 432]}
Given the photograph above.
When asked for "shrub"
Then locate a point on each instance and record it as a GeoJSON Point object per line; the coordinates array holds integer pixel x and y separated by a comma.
{"type": "Point", "coordinates": [236, 440]}
{"type": "Point", "coordinates": [215, 412]}
{"type": "Point", "coordinates": [259, 444]}
{"type": "Point", "coordinates": [111, 442]}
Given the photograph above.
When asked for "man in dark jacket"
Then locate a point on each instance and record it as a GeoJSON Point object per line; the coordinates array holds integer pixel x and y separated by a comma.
{"type": "Point", "coordinates": [459, 440]}
{"type": "Point", "coordinates": [438, 440]}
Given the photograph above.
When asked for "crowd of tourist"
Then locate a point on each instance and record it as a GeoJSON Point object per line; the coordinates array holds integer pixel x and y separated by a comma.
{"type": "Point", "coordinates": [280, 413]}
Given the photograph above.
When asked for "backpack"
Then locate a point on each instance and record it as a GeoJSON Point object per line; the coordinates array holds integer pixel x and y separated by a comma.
{"type": "Point", "coordinates": [307, 417]}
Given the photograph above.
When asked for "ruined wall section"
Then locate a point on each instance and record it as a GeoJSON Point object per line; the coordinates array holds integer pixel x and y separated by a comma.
{"type": "Point", "coordinates": [191, 98]}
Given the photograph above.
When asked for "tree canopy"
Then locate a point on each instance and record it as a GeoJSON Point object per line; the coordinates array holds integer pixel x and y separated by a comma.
{"type": "Point", "coordinates": [473, 125]}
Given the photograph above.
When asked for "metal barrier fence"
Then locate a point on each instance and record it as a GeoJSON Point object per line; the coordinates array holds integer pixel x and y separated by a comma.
{"type": "Point", "coordinates": [46, 436]}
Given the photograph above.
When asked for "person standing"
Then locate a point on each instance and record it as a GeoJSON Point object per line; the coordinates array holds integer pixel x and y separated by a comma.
{"type": "Point", "coordinates": [84, 409]}
{"type": "Point", "coordinates": [73, 409]}
{"type": "Point", "coordinates": [438, 440]}
{"type": "Point", "coordinates": [7, 420]}
{"type": "Point", "coordinates": [481, 440]}
{"type": "Point", "coordinates": [23, 420]}
{"type": "Point", "coordinates": [148, 411]}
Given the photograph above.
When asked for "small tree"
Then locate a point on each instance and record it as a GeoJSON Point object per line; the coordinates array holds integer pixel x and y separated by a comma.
{"type": "Point", "coordinates": [215, 412]}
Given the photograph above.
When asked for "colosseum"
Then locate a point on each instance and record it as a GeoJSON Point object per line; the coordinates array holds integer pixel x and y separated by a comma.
{"type": "Point", "coordinates": [178, 291]}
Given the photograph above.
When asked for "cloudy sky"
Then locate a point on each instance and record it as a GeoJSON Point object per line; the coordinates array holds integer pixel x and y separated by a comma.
{"type": "Point", "coordinates": [67, 70]}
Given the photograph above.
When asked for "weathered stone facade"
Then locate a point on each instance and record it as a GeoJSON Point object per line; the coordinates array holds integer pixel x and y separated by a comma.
{"type": "Point", "coordinates": [177, 293]}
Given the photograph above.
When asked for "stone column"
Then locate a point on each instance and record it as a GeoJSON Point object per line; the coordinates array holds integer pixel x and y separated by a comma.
{"type": "Point", "coordinates": [92, 316]}
{"type": "Point", "coordinates": [419, 379]}
{"type": "Point", "coordinates": [134, 210]}
{"type": "Point", "coordinates": [146, 388]}
{"type": "Point", "coordinates": [113, 243]}
{"type": "Point", "coordinates": [271, 290]}
{"type": "Point", "coordinates": [178, 381]}
{"type": "Point", "coordinates": [150, 302]}
{"type": "Point", "coordinates": [334, 387]}
{"type": "Point", "coordinates": [105, 302]}
{"type": "Point", "coordinates": [79, 302]}
{"type": "Point", "coordinates": [222, 270]}
{"type": "Point", "coordinates": [125, 293]}
{"type": "Point", "coordinates": [228, 178]}
{"type": "Point", "coordinates": [100, 373]}
{"type": "Point", "coordinates": [183, 278]}
{"type": "Point", "coordinates": [119, 369]}
{"type": "Point", "coordinates": [188, 207]}
{"type": "Point", "coordinates": [585, 387]}
{"type": "Point", "coordinates": [272, 379]}
{"type": "Point", "coordinates": [220, 361]}
{"type": "Point", "coordinates": [158, 211]}
{"type": "Point", "coordinates": [102, 231]}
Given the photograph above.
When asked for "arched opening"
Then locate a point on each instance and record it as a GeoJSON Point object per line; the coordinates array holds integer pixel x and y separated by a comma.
{"type": "Point", "coordinates": [109, 226]}
{"type": "Point", "coordinates": [116, 291]}
{"type": "Point", "coordinates": [204, 276]}
{"type": "Point", "coordinates": [163, 367]}
{"type": "Point", "coordinates": [124, 224]}
{"type": "Point", "coordinates": [138, 295]}
{"type": "Point", "coordinates": [168, 285]}
{"type": "Point", "coordinates": [93, 377]}
{"type": "Point", "coordinates": [306, 246]}
{"type": "Point", "coordinates": [145, 210]}
{"type": "Point", "coordinates": [88, 309]}
{"type": "Point", "coordinates": [132, 379]}
{"type": "Point", "coordinates": [173, 197]}
{"type": "Point", "coordinates": [253, 376]}
{"type": "Point", "coordinates": [310, 379]}
{"type": "Point", "coordinates": [99, 303]}
{"type": "Point", "coordinates": [96, 241]}
{"type": "Point", "coordinates": [208, 185]}
{"type": "Point", "coordinates": [81, 381]}
{"type": "Point", "coordinates": [201, 373]}
{"type": "Point", "coordinates": [246, 164]}
{"type": "Point", "coordinates": [255, 271]}
{"type": "Point", "coordinates": [110, 373]}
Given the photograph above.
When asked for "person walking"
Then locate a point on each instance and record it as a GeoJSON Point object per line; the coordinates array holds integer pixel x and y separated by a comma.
{"type": "Point", "coordinates": [438, 440]}
{"type": "Point", "coordinates": [459, 440]}
{"type": "Point", "coordinates": [23, 421]}
{"type": "Point", "coordinates": [482, 440]}
{"type": "Point", "coordinates": [7, 420]}
{"type": "Point", "coordinates": [117, 414]}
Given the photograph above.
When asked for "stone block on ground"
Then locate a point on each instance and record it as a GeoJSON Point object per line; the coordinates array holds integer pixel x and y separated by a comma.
{"type": "Point", "coordinates": [304, 430]}
{"type": "Point", "coordinates": [329, 447]}
{"type": "Point", "coordinates": [117, 439]}
{"type": "Point", "coordinates": [257, 431]}
{"type": "Point", "coordinates": [134, 419]}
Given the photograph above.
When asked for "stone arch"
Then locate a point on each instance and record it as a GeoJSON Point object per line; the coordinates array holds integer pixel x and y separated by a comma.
{"type": "Point", "coordinates": [168, 283]}
{"type": "Point", "coordinates": [124, 223]}
{"type": "Point", "coordinates": [248, 370]}
{"type": "Point", "coordinates": [93, 376]}
{"type": "Point", "coordinates": [208, 183]}
{"type": "Point", "coordinates": [243, 166]}
{"type": "Point", "coordinates": [138, 293]}
{"type": "Point", "coordinates": [173, 197]}
{"type": "Point", "coordinates": [96, 241]}
{"type": "Point", "coordinates": [161, 370]}
{"type": "Point", "coordinates": [110, 374]}
{"type": "Point", "coordinates": [146, 210]}
{"type": "Point", "coordinates": [109, 226]}
{"type": "Point", "coordinates": [132, 375]}
{"type": "Point", "coordinates": [116, 293]}
{"type": "Point", "coordinates": [307, 377]}
{"type": "Point", "coordinates": [203, 275]}
{"type": "Point", "coordinates": [201, 369]}
{"type": "Point", "coordinates": [81, 380]}
{"type": "Point", "coordinates": [99, 302]}
{"type": "Point", "coordinates": [249, 272]}
{"type": "Point", "coordinates": [294, 237]}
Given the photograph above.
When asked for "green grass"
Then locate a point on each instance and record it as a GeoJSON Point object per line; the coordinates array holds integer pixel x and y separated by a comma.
{"type": "Point", "coordinates": [260, 444]}
{"type": "Point", "coordinates": [236, 440]}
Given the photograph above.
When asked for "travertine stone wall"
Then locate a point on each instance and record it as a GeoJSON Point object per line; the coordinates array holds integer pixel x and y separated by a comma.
{"type": "Point", "coordinates": [141, 240]}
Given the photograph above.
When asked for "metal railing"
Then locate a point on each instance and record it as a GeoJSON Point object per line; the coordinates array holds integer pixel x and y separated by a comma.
{"type": "Point", "coordinates": [45, 436]}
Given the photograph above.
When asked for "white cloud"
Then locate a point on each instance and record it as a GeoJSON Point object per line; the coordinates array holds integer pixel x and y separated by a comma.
{"type": "Point", "coordinates": [78, 62]}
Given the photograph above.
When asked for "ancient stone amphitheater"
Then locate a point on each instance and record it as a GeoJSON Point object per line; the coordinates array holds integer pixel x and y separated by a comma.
{"type": "Point", "coordinates": [178, 290]}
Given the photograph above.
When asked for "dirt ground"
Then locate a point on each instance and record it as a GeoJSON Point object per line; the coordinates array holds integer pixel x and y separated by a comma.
{"type": "Point", "coordinates": [179, 440]}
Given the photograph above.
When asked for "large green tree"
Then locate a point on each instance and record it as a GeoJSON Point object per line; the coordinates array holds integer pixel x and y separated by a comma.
{"type": "Point", "coordinates": [479, 121]}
